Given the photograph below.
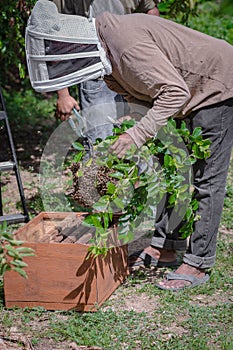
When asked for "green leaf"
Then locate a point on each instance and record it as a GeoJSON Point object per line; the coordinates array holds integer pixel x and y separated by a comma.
{"type": "Point", "coordinates": [106, 220]}
{"type": "Point", "coordinates": [25, 250]}
{"type": "Point", "coordinates": [89, 162]}
{"type": "Point", "coordinates": [11, 251]}
{"type": "Point", "coordinates": [4, 268]}
{"type": "Point", "coordinates": [197, 132]}
{"type": "Point", "coordinates": [188, 213]}
{"type": "Point", "coordinates": [117, 175]}
{"type": "Point", "coordinates": [78, 157]}
{"type": "Point", "coordinates": [20, 271]}
{"type": "Point", "coordinates": [119, 203]}
{"type": "Point", "coordinates": [116, 130]}
{"type": "Point", "coordinates": [18, 263]}
{"type": "Point", "coordinates": [78, 146]}
{"type": "Point", "coordinates": [92, 220]}
{"type": "Point", "coordinates": [183, 188]}
{"type": "Point", "coordinates": [172, 198]}
{"type": "Point", "coordinates": [111, 188]}
{"type": "Point", "coordinates": [167, 160]}
{"type": "Point", "coordinates": [102, 204]}
{"type": "Point", "coordinates": [122, 167]}
{"type": "Point", "coordinates": [173, 149]}
{"type": "Point", "coordinates": [195, 205]}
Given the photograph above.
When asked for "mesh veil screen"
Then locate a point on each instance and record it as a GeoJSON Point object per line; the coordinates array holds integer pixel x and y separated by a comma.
{"type": "Point", "coordinates": [59, 68]}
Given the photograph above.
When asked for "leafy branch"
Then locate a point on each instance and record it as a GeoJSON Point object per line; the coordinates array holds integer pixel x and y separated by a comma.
{"type": "Point", "coordinates": [162, 168]}
{"type": "Point", "coordinates": [12, 253]}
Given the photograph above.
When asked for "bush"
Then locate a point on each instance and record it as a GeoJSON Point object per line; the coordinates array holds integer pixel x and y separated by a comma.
{"type": "Point", "coordinates": [212, 21]}
{"type": "Point", "coordinates": [13, 19]}
{"type": "Point", "coordinates": [12, 253]}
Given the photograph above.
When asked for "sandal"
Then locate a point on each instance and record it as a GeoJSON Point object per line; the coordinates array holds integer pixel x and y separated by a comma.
{"type": "Point", "coordinates": [195, 281]}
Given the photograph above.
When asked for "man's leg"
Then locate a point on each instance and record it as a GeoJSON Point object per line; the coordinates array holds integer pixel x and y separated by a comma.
{"type": "Point", "coordinates": [98, 103]}
{"type": "Point", "coordinates": [166, 240]}
{"type": "Point", "coordinates": [165, 243]}
{"type": "Point", "coordinates": [209, 181]}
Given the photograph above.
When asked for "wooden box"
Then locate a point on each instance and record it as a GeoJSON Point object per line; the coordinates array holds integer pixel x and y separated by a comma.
{"type": "Point", "coordinates": [61, 276]}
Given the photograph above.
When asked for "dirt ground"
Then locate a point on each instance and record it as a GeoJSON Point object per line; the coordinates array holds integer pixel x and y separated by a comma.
{"type": "Point", "coordinates": [29, 143]}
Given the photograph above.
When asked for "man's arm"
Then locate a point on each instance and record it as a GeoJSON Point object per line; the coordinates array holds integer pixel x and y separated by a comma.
{"type": "Point", "coordinates": [158, 79]}
{"type": "Point", "coordinates": [154, 11]}
{"type": "Point", "coordinates": [65, 104]}
{"type": "Point", "coordinates": [149, 7]}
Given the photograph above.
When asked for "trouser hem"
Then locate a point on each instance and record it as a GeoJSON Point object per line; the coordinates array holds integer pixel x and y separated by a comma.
{"type": "Point", "coordinates": [179, 245]}
{"type": "Point", "coordinates": [196, 261]}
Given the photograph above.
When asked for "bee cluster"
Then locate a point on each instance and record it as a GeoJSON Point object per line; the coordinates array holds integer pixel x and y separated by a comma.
{"type": "Point", "coordinates": [90, 183]}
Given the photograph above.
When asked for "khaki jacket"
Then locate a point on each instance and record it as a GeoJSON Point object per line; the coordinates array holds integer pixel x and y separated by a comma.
{"type": "Point", "coordinates": [171, 69]}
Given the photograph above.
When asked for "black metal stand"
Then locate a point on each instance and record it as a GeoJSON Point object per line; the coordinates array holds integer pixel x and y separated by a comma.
{"type": "Point", "coordinates": [10, 165]}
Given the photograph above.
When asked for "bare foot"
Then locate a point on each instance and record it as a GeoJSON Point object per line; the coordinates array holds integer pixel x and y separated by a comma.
{"type": "Point", "coordinates": [183, 269]}
{"type": "Point", "coordinates": [163, 255]}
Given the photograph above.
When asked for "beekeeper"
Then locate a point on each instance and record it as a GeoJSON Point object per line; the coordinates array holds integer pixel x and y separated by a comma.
{"type": "Point", "coordinates": [173, 71]}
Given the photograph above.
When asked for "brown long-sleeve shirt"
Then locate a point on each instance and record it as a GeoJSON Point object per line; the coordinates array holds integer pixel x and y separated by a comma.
{"type": "Point", "coordinates": [171, 69]}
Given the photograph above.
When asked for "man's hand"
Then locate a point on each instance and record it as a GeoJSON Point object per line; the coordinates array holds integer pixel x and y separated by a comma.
{"type": "Point", "coordinates": [154, 11]}
{"type": "Point", "coordinates": [125, 117]}
{"type": "Point", "coordinates": [123, 144]}
{"type": "Point", "coordinates": [65, 104]}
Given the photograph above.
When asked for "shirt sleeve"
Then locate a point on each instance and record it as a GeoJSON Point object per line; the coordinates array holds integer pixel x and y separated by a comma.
{"type": "Point", "coordinates": [118, 88]}
{"type": "Point", "coordinates": [153, 75]}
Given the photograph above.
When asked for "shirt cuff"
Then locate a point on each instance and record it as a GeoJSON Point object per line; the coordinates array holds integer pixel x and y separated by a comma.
{"type": "Point", "coordinates": [138, 135]}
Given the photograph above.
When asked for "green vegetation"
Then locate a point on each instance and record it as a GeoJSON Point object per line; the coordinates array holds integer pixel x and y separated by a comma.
{"type": "Point", "coordinates": [11, 252]}
{"type": "Point", "coordinates": [211, 17]}
{"type": "Point", "coordinates": [14, 15]}
{"type": "Point", "coordinates": [179, 10]}
{"type": "Point", "coordinates": [226, 7]}
{"type": "Point", "coordinates": [27, 107]}
{"type": "Point", "coordinates": [212, 21]}
{"type": "Point", "coordinates": [227, 215]}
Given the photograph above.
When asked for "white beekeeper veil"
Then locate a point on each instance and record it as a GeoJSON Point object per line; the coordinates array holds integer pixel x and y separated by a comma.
{"type": "Point", "coordinates": [62, 50]}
